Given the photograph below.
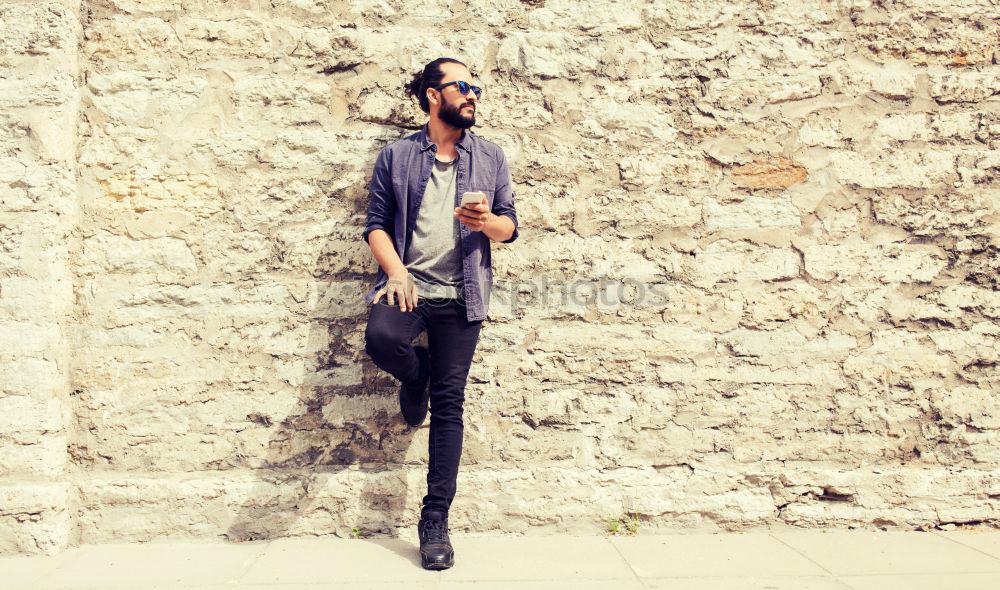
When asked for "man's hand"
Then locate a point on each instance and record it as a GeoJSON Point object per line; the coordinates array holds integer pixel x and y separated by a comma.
{"type": "Point", "coordinates": [401, 287]}
{"type": "Point", "coordinates": [474, 216]}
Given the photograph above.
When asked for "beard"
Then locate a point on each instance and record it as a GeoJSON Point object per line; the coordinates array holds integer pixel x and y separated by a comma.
{"type": "Point", "coordinates": [458, 117]}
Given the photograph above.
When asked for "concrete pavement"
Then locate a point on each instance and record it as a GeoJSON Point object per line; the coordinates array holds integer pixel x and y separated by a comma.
{"type": "Point", "coordinates": [965, 559]}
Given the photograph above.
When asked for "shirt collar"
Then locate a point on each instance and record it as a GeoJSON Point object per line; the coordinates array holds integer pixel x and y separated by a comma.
{"type": "Point", "coordinates": [425, 139]}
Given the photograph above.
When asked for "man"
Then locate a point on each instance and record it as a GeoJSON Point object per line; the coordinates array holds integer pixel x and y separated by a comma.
{"type": "Point", "coordinates": [435, 272]}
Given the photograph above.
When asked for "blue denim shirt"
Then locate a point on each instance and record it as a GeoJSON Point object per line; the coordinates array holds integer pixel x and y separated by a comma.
{"type": "Point", "coordinates": [402, 170]}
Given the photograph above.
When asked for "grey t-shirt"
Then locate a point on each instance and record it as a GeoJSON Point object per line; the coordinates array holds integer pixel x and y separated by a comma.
{"type": "Point", "coordinates": [434, 254]}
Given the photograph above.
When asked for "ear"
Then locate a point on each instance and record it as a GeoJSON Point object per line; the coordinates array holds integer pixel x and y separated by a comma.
{"type": "Point", "coordinates": [430, 96]}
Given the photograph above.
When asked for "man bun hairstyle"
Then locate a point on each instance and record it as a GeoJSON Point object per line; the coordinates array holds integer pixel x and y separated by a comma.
{"type": "Point", "coordinates": [430, 76]}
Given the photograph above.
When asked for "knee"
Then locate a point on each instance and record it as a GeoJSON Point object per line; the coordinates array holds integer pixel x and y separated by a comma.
{"type": "Point", "coordinates": [448, 401]}
{"type": "Point", "coordinates": [382, 343]}
{"type": "Point", "coordinates": [447, 410]}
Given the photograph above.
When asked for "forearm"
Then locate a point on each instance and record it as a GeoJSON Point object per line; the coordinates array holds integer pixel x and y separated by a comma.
{"type": "Point", "coordinates": [498, 227]}
{"type": "Point", "coordinates": [384, 251]}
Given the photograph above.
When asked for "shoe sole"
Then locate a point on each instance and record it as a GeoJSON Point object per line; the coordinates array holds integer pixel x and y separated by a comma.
{"type": "Point", "coordinates": [436, 565]}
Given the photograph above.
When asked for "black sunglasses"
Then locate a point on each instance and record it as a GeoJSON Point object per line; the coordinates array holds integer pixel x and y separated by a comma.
{"type": "Point", "coordinates": [463, 87]}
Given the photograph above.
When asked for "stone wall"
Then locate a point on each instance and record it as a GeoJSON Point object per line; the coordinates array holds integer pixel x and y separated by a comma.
{"type": "Point", "coordinates": [39, 209]}
{"type": "Point", "coordinates": [756, 283]}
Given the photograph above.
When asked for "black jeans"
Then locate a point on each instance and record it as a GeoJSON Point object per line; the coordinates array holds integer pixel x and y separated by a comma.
{"type": "Point", "coordinates": [451, 341]}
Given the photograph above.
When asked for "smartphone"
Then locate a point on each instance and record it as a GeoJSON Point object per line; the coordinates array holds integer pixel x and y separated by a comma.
{"type": "Point", "coordinates": [471, 198]}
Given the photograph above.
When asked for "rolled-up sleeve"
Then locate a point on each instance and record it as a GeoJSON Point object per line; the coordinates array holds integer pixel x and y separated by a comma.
{"type": "Point", "coordinates": [503, 197]}
{"type": "Point", "coordinates": [381, 199]}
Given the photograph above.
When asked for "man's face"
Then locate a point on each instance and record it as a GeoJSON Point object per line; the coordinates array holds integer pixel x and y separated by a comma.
{"type": "Point", "coordinates": [457, 110]}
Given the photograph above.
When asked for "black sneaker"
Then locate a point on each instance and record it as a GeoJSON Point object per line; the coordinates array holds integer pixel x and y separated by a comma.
{"type": "Point", "coordinates": [436, 552]}
{"type": "Point", "coordinates": [413, 397]}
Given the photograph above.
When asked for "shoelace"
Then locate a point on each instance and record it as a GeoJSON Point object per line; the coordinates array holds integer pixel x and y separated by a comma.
{"type": "Point", "coordinates": [436, 530]}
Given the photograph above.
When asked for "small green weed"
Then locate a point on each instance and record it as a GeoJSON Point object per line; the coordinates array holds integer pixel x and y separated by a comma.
{"type": "Point", "coordinates": [628, 520]}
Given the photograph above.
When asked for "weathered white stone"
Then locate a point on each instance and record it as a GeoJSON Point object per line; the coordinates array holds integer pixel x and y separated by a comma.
{"type": "Point", "coordinates": [735, 94]}
{"type": "Point", "coordinates": [968, 86]}
{"type": "Point", "coordinates": [788, 344]}
{"type": "Point", "coordinates": [615, 16]}
{"type": "Point", "coordinates": [928, 33]}
{"type": "Point", "coordinates": [955, 212]}
{"type": "Point", "coordinates": [33, 517]}
{"type": "Point", "coordinates": [28, 338]}
{"type": "Point", "coordinates": [553, 54]}
{"type": "Point", "coordinates": [654, 169]}
{"type": "Point", "coordinates": [32, 29]}
{"type": "Point", "coordinates": [909, 168]}
{"type": "Point", "coordinates": [859, 77]}
{"type": "Point", "coordinates": [109, 253]}
{"type": "Point", "coordinates": [890, 263]}
{"type": "Point", "coordinates": [755, 212]}
{"type": "Point", "coordinates": [699, 14]}
{"type": "Point", "coordinates": [280, 101]}
{"type": "Point", "coordinates": [821, 129]}
{"type": "Point", "coordinates": [927, 127]}
{"type": "Point", "coordinates": [967, 405]}
{"type": "Point", "coordinates": [725, 260]}
{"type": "Point", "coordinates": [145, 99]}
{"type": "Point", "coordinates": [897, 356]}
{"type": "Point", "coordinates": [27, 413]}
{"type": "Point", "coordinates": [37, 89]}
{"type": "Point", "coordinates": [35, 453]}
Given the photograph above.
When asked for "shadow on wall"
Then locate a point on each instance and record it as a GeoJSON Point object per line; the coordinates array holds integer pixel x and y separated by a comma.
{"type": "Point", "coordinates": [337, 464]}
